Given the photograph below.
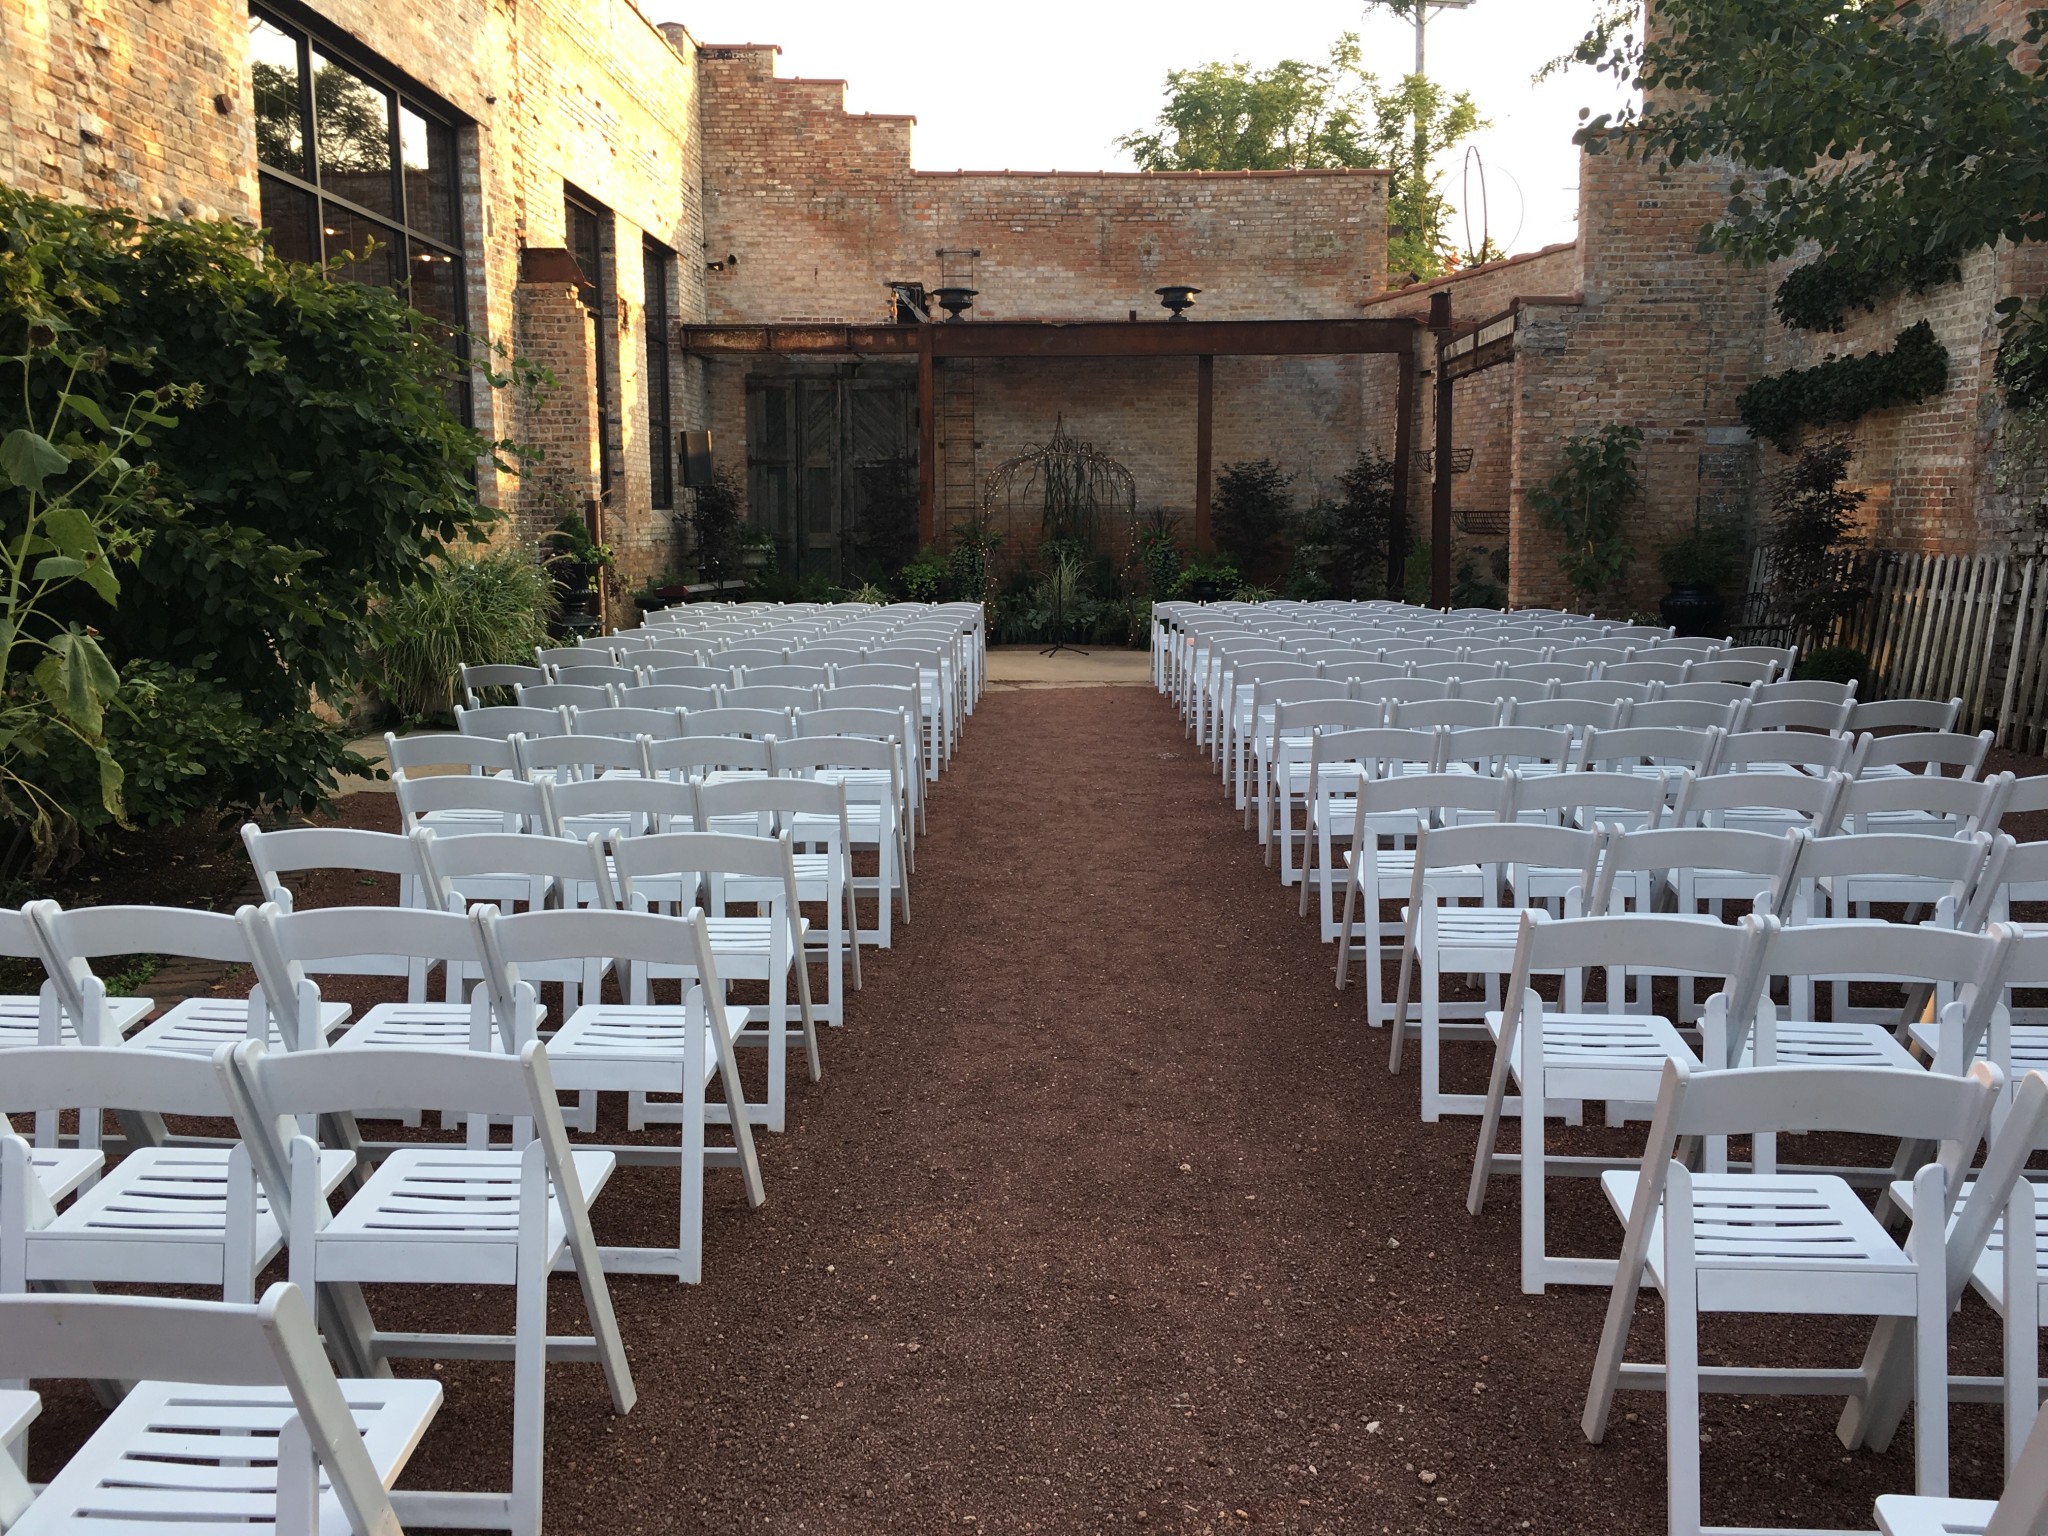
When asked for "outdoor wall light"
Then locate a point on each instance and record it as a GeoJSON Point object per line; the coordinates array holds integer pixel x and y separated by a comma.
{"type": "Point", "coordinates": [1178, 297]}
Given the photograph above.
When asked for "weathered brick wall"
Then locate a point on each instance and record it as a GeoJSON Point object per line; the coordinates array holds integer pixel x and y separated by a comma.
{"type": "Point", "coordinates": [113, 103]}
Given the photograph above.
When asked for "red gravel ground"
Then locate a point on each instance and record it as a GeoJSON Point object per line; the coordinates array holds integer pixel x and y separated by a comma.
{"type": "Point", "coordinates": [1108, 1216]}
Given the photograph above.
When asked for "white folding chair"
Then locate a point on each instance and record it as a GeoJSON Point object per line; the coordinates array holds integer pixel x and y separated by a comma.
{"type": "Point", "coordinates": [637, 1046]}
{"type": "Point", "coordinates": [236, 1423]}
{"type": "Point", "coordinates": [1783, 1244]}
{"type": "Point", "coordinates": [522, 1212]}
{"type": "Point", "coordinates": [1441, 937]}
{"type": "Point", "coordinates": [1557, 1058]}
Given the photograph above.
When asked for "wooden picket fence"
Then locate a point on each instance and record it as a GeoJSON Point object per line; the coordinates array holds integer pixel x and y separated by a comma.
{"type": "Point", "coordinates": [1973, 627]}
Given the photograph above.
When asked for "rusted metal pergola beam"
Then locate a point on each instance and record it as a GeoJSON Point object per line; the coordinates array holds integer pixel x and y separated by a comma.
{"type": "Point", "coordinates": [1081, 338]}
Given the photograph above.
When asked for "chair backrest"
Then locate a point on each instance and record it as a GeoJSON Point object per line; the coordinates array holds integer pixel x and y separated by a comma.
{"type": "Point", "coordinates": [1905, 715]}
{"type": "Point", "coordinates": [1949, 806]}
{"type": "Point", "coordinates": [1656, 944]}
{"type": "Point", "coordinates": [1507, 843]}
{"type": "Point", "coordinates": [1604, 690]}
{"type": "Point", "coordinates": [1646, 671]}
{"type": "Point", "coordinates": [520, 805]}
{"type": "Point", "coordinates": [560, 759]}
{"type": "Point", "coordinates": [1798, 715]}
{"type": "Point", "coordinates": [804, 755]}
{"type": "Point", "coordinates": [785, 676]}
{"type": "Point", "coordinates": [697, 755]}
{"type": "Point", "coordinates": [1363, 671]}
{"type": "Point", "coordinates": [1665, 744]}
{"type": "Point", "coordinates": [1268, 696]}
{"type": "Point", "coordinates": [877, 724]}
{"type": "Point", "coordinates": [209, 1344]}
{"type": "Point", "coordinates": [1853, 862]}
{"type": "Point", "coordinates": [1904, 953]}
{"type": "Point", "coordinates": [597, 677]}
{"type": "Point", "coordinates": [1708, 693]}
{"type": "Point", "coordinates": [515, 868]}
{"type": "Point", "coordinates": [1932, 751]}
{"type": "Point", "coordinates": [1399, 690]}
{"type": "Point", "coordinates": [668, 696]}
{"type": "Point", "coordinates": [1577, 798]}
{"type": "Point", "coordinates": [1725, 667]}
{"type": "Point", "coordinates": [1810, 690]}
{"type": "Point", "coordinates": [446, 749]}
{"type": "Point", "coordinates": [1504, 690]}
{"type": "Point", "coordinates": [621, 807]}
{"type": "Point", "coordinates": [668, 856]}
{"type": "Point", "coordinates": [570, 655]}
{"type": "Point", "coordinates": [737, 721]}
{"type": "Point", "coordinates": [293, 850]}
{"type": "Point", "coordinates": [1691, 715]}
{"type": "Point", "coordinates": [748, 656]}
{"type": "Point", "coordinates": [626, 720]}
{"type": "Point", "coordinates": [830, 656]}
{"type": "Point", "coordinates": [495, 676]}
{"type": "Point", "coordinates": [1493, 749]}
{"type": "Point", "coordinates": [691, 676]}
{"type": "Point", "coordinates": [771, 801]}
{"type": "Point", "coordinates": [1804, 749]}
{"type": "Point", "coordinates": [1468, 713]}
{"type": "Point", "coordinates": [883, 674]}
{"type": "Point", "coordinates": [57, 1077]}
{"type": "Point", "coordinates": [1384, 751]}
{"type": "Point", "coordinates": [1321, 713]}
{"type": "Point", "coordinates": [1576, 715]}
{"type": "Point", "coordinates": [1559, 672]}
{"type": "Point", "coordinates": [1875, 1101]}
{"type": "Point", "coordinates": [1426, 794]}
{"type": "Point", "coordinates": [1706, 801]}
{"type": "Point", "coordinates": [290, 947]}
{"type": "Point", "coordinates": [562, 695]}
{"type": "Point", "coordinates": [503, 720]}
{"type": "Point", "coordinates": [1773, 858]}
{"type": "Point", "coordinates": [71, 938]}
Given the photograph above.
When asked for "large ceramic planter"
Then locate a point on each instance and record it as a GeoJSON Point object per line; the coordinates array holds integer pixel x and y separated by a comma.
{"type": "Point", "coordinates": [1692, 608]}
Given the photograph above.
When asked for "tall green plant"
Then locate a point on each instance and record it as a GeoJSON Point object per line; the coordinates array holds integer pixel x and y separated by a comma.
{"type": "Point", "coordinates": [71, 493]}
{"type": "Point", "coordinates": [1252, 509]}
{"type": "Point", "coordinates": [1362, 525]}
{"type": "Point", "coordinates": [1586, 503]}
{"type": "Point", "coordinates": [480, 609]}
{"type": "Point", "coordinates": [1812, 535]}
{"type": "Point", "coordinates": [717, 512]}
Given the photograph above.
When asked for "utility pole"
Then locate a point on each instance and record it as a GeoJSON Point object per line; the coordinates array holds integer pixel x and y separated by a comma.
{"type": "Point", "coordinates": [1418, 14]}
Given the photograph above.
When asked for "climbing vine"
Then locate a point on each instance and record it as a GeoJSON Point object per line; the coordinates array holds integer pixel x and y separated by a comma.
{"type": "Point", "coordinates": [1843, 389]}
{"type": "Point", "coordinates": [1587, 502]}
{"type": "Point", "coordinates": [1820, 295]}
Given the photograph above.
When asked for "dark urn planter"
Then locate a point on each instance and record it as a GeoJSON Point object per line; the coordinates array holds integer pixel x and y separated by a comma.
{"type": "Point", "coordinates": [1692, 608]}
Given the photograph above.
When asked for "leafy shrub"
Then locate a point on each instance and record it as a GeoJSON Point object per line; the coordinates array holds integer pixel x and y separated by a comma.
{"type": "Point", "coordinates": [1844, 389]}
{"type": "Point", "coordinates": [1361, 524]}
{"type": "Point", "coordinates": [1207, 579]}
{"type": "Point", "coordinates": [969, 561]}
{"type": "Point", "coordinates": [1706, 555]}
{"type": "Point", "coordinates": [716, 513]}
{"type": "Point", "coordinates": [1833, 664]}
{"type": "Point", "coordinates": [1481, 578]}
{"type": "Point", "coordinates": [1812, 518]}
{"type": "Point", "coordinates": [190, 745]}
{"type": "Point", "coordinates": [1587, 503]}
{"type": "Point", "coordinates": [1251, 511]}
{"type": "Point", "coordinates": [2022, 367]}
{"type": "Point", "coordinates": [924, 579]}
{"type": "Point", "coordinates": [483, 609]}
{"type": "Point", "coordinates": [1159, 552]}
{"type": "Point", "coordinates": [1417, 574]}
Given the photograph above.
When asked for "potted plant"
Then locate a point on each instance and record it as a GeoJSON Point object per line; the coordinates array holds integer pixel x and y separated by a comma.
{"type": "Point", "coordinates": [578, 563]}
{"type": "Point", "coordinates": [1699, 565]}
{"type": "Point", "coordinates": [757, 549]}
{"type": "Point", "coordinates": [717, 515]}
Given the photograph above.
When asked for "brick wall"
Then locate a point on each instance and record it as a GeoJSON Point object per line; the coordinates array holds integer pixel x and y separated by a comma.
{"type": "Point", "coordinates": [112, 102]}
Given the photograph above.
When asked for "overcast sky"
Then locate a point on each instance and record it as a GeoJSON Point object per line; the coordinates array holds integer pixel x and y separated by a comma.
{"type": "Point", "coordinates": [1049, 85]}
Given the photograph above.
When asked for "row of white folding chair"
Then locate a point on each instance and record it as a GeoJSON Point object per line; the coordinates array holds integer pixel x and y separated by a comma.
{"type": "Point", "coordinates": [883, 796]}
{"type": "Point", "coordinates": [1508, 866]}
{"type": "Point", "coordinates": [194, 1216]}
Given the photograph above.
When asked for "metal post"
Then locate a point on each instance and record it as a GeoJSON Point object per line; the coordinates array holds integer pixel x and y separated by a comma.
{"type": "Point", "coordinates": [927, 440]}
{"type": "Point", "coordinates": [1404, 453]}
{"type": "Point", "coordinates": [1205, 434]}
{"type": "Point", "coordinates": [1440, 489]}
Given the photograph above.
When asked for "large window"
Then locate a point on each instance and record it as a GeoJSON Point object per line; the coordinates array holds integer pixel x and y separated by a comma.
{"type": "Point", "coordinates": [589, 225]}
{"type": "Point", "coordinates": [348, 160]}
{"type": "Point", "coordinates": [658, 264]}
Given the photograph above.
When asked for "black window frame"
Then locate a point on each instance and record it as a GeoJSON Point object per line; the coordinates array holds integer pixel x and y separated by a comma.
{"type": "Point", "coordinates": [658, 275]}
{"type": "Point", "coordinates": [409, 241]}
{"type": "Point", "coordinates": [597, 298]}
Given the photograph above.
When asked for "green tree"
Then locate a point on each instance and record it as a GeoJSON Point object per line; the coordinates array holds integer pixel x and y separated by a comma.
{"type": "Point", "coordinates": [1302, 116]}
{"type": "Point", "coordinates": [1892, 145]}
{"type": "Point", "coordinates": [1294, 116]}
{"type": "Point", "coordinates": [1413, 124]}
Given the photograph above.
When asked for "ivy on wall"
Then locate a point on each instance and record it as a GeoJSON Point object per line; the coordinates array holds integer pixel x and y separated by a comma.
{"type": "Point", "coordinates": [1820, 295]}
{"type": "Point", "coordinates": [1843, 389]}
